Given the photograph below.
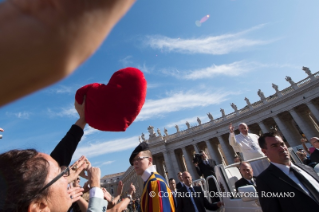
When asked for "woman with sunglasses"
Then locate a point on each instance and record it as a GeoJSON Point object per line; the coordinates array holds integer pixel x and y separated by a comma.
{"type": "Point", "coordinates": [33, 181]}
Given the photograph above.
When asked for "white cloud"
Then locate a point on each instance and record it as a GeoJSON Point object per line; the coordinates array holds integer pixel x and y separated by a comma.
{"type": "Point", "coordinates": [126, 61]}
{"type": "Point", "coordinates": [107, 163]}
{"type": "Point", "coordinates": [180, 101]}
{"type": "Point", "coordinates": [191, 120]}
{"type": "Point", "coordinates": [89, 131]}
{"type": "Point", "coordinates": [64, 112]}
{"type": "Point", "coordinates": [216, 45]}
{"type": "Point", "coordinates": [152, 85]}
{"type": "Point", "coordinates": [233, 69]}
{"type": "Point", "coordinates": [61, 89]}
{"type": "Point", "coordinates": [20, 115]}
{"type": "Point", "coordinates": [145, 69]}
{"type": "Point", "coordinates": [101, 148]}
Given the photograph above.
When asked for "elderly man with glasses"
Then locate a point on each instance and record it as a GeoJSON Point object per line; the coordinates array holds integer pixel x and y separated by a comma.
{"type": "Point", "coordinates": [156, 194]}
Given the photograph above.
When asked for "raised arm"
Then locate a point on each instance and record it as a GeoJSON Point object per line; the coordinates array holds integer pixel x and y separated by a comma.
{"type": "Point", "coordinates": [42, 42]}
{"type": "Point", "coordinates": [63, 152]}
{"type": "Point", "coordinates": [303, 141]}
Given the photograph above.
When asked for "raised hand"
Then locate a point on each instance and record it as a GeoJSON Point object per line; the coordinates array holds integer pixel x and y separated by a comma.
{"type": "Point", "coordinates": [94, 174]}
{"type": "Point", "coordinates": [107, 195]}
{"type": "Point", "coordinates": [86, 187]}
{"type": "Point", "coordinates": [83, 172]}
{"type": "Point", "coordinates": [76, 168]}
{"type": "Point", "coordinates": [231, 128]}
{"type": "Point", "coordinates": [80, 108]}
{"type": "Point", "coordinates": [75, 193]}
{"type": "Point", "coordinates": [120, 188]}
{"type": "Point", "coordinates": [132, 189]}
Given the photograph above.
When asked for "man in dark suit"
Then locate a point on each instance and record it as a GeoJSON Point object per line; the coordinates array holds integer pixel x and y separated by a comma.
{"type": "Point", "coordinates": [172, 186]}
{"type": "Point", "coordinates": [206, 167]}
{"type": "Point", "coordinates": [192, 199]}
{"type": "Point", "coordinates": [247, 173]}
{"type": "Point", "coordinates": [180, 184]}
{"type": "Point", "coordinates": [285, 186]}
{"type": "Point", "coordinates": [314, 157]}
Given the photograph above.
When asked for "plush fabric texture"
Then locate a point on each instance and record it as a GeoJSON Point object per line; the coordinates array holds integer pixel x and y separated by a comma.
{"type": "Point", "coordinates": [113, 107]}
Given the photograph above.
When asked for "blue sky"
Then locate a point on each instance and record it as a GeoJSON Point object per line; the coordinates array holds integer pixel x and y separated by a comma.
{"type": "Point", "coordinates": [243, 46]}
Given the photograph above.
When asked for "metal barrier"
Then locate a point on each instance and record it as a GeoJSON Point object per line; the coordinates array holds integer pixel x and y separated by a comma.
{"type": "Point", "coordinates": [217, 186]}
{"type": "Point", "coordinates": [202, 183]}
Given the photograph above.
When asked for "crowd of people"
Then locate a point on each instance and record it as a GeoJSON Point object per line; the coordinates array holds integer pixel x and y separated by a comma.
{"type": "Point", "coordinates": [34, 181]}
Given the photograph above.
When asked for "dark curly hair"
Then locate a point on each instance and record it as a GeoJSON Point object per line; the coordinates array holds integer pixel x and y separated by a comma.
{"type": "Point", "coordinates": [22, 175]}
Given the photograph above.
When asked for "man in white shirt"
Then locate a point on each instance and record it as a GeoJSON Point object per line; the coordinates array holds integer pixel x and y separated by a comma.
{"type": "Point", "coordinates": [285, 186]}
{"type": "Point", "coordinates": [246, 143]}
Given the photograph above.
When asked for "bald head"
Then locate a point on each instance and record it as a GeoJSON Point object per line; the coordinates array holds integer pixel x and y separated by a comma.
{"type": "Point", "coordinates": [187, 179]}
{"type": "Point", "coordinates": [246, 170]}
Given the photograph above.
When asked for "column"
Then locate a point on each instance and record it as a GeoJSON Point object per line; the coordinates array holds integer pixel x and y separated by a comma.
{"type": "Point", "coordinates": [168, 165]}
{"type": "Point", "coordinates": [196, 148]}
{"type": "Point", "coordinates": [313, 110]}
{"type": "Point", "coordinates": [263, 127]}
{"type": "Point", "coordinates": [174, 163]}
{"type": "Point", "coordinates": [301, 124]}
{"type": "Point", "coordinates": [213, 153]}
{"type": "Point", "coordinates": [284, 131]}
{"type": "Point", "coordinates": [229, 155]}
{"type": "Point", "coordinates": [189, 163]}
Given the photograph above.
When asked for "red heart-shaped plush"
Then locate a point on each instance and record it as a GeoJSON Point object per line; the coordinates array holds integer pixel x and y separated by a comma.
{"type": "Point", "coordinates": [113, 107]}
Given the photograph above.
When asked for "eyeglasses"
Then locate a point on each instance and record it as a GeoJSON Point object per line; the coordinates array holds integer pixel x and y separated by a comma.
{"type": "Point", "coordinates": [64, 173]}
{"type": "Point", "coordinates": [139, 159]}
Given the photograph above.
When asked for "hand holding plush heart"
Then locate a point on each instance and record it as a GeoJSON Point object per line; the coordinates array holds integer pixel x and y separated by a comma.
{"type": "Point", "coordinates": [113, 107]}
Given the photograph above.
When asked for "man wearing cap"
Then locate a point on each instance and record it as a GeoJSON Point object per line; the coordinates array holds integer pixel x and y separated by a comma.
{"type": "Point", "coordinates": [156, 194]}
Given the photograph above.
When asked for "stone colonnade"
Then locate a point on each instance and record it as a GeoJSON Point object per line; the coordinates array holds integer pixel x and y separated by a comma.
{"type": "Point", "coordinates": [291, 124]}
{"type": "Point", "coordinates": [293, 112]}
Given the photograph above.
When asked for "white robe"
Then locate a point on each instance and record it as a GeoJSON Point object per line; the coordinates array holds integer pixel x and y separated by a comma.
{"type": "Point", "coordinates": [248, 145]}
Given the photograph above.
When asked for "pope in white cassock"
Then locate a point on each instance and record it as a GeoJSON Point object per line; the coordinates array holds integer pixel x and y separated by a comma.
{"type": "Point", "coordinates": [247, 144]}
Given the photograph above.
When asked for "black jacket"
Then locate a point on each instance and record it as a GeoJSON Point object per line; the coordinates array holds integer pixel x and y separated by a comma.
{"type": "Point", "coordinates": [275, 181]}
{"type": "Point", "coordinates": [314, 157]}
{"type": "Point", "coordinates": [243, 182]}
{"type": "Point", "coordinates": [184, 204]}
{"type": "Point", "coordinates": [179, 185]}
{"type": "Point", "coordinates": [206, 169]}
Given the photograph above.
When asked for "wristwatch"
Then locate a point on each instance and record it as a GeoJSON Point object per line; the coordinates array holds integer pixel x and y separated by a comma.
{"type": "Point", "coordinates": [129, 196]}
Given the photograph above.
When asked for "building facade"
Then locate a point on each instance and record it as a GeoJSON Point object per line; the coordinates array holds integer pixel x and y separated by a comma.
{"type": "Point", "coordinates": [293, 112]}
{"type": "Point", "coordinates": [110, 182]}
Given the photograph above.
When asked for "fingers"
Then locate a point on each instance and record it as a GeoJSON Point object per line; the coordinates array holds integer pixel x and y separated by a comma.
{"type": "Point", "coordinates": [1, 130]}
{"type": "Point", "coordinates": [78, 163]}
{"type": "Point", "coordinates": [75, 193]}
{"type": "Point", "coordinates": [76, 168]}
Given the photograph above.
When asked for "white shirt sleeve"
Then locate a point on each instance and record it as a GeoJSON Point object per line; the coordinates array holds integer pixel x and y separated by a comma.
{"type": "Point", "coordinates": [96, 192]}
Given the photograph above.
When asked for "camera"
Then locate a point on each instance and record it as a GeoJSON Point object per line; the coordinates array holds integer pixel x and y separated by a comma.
{"type": "Point", "coordinates": [197, 158]}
